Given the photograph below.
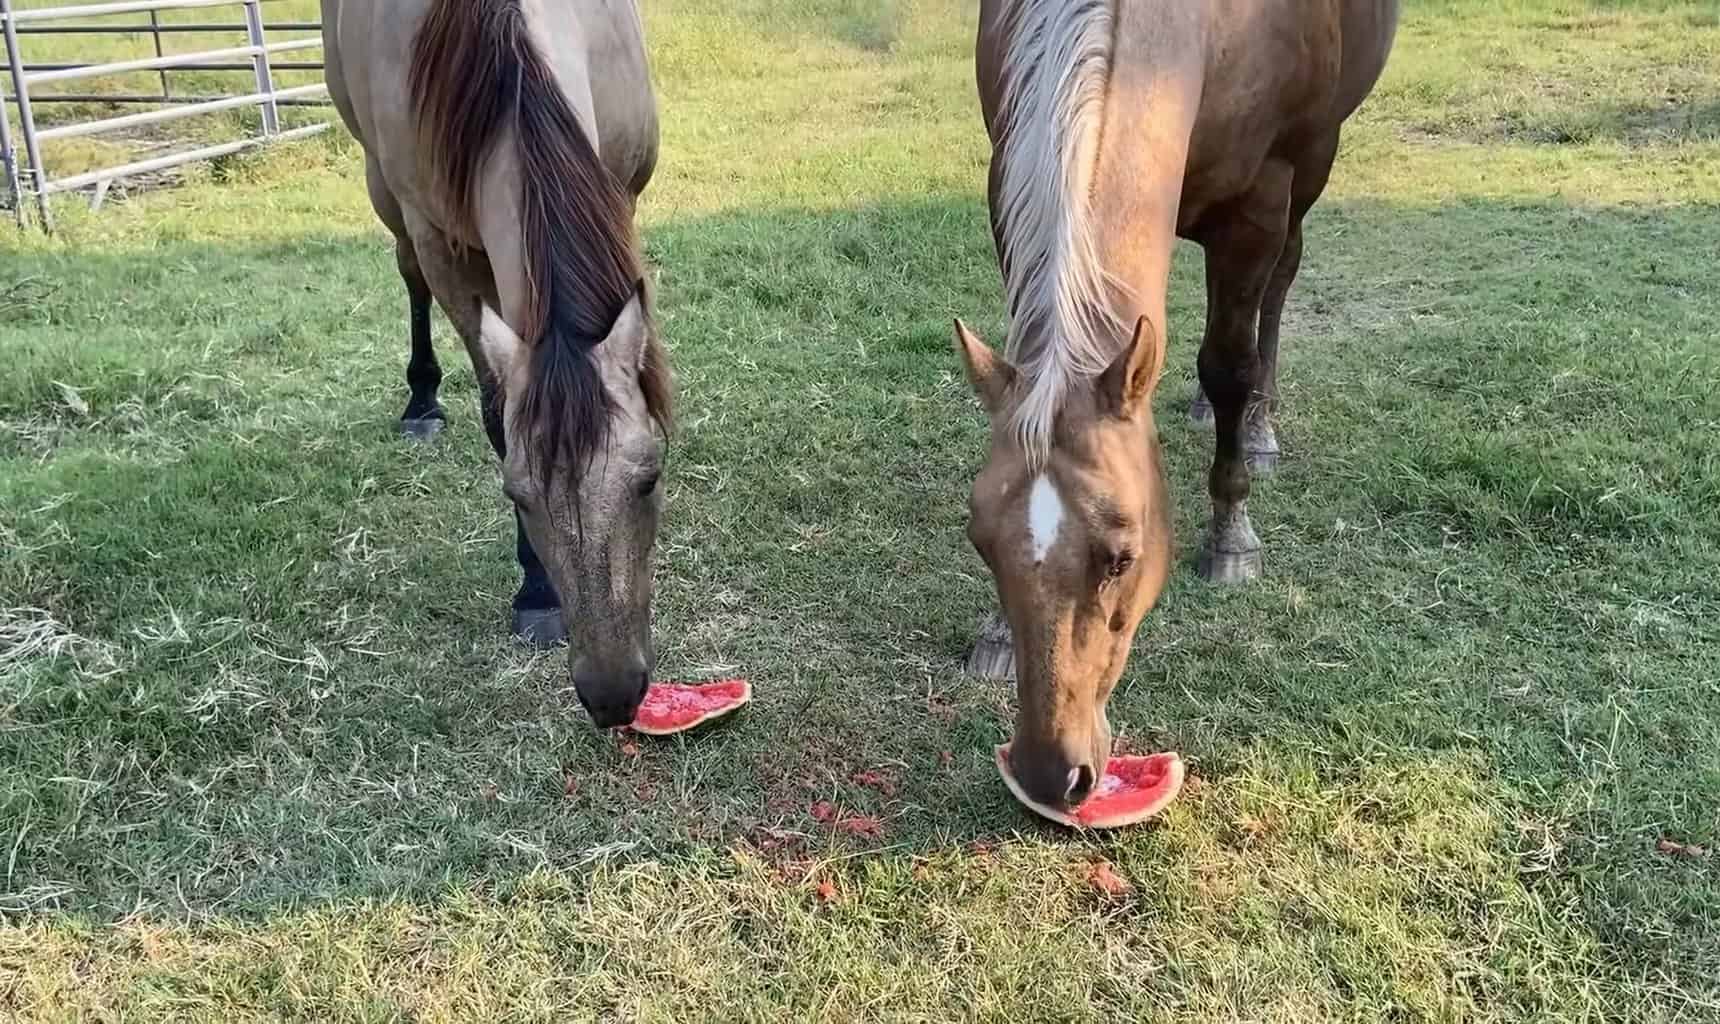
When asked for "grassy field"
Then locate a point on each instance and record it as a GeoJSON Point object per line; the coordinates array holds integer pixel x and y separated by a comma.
{"type": "Point", "coordinates": [266, 754]}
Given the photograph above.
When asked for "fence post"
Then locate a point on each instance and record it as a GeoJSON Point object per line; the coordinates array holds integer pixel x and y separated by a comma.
{"type": "Point", "coordinates": [265, 81]}
{"type": "Point", "coordinates": [9, 164]}
{"type": "Point", "coordinates": [26, 119]}
{"type": "Point", "coordinates": [155, 30]}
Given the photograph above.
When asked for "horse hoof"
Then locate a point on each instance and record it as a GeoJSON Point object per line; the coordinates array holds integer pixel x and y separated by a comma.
{"type": "Point", "coordinates": [993, 654]}
{"type": "Point", "coordinates": [422, 429]}
{"type": "Point", "coordinates": [539, 628]}
{"type": "Point", "coordinates": [995, 662]}
{"type": "Point", "coordinates": [1200, 411]}
{"type": "Point", "coordinates": [1230, 567]}
{"type": "Point", "coordinates": [1259, 447]}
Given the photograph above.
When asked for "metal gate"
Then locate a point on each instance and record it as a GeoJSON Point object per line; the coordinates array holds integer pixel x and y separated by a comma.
{"type": "Point", "coordinates": [25, 172]}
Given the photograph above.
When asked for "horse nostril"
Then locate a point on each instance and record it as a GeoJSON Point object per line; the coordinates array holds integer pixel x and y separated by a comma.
{"type": "Point", "coordinates": [1080, 784]}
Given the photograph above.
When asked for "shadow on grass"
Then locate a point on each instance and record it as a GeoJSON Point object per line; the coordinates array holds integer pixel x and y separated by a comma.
{"type": "Point", "coordinates": [1488, 547]}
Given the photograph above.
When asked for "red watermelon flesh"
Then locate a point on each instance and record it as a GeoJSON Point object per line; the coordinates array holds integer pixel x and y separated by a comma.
{"type": "Point", "coordinates": [670, 708]}
{"type": "Point", "coordinates": [1133, 789]}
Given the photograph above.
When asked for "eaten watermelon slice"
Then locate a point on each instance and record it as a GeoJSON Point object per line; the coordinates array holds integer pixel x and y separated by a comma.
{"type": "Point", "coordinates": [1133, 789]}
{"type": "Point", "coordinates": [669, 708]}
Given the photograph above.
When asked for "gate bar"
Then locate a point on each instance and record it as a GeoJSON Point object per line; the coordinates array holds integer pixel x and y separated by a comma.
{"type": "Point", "coordinates": [67, 131]}
{"type": "Point", "coordinates": [161, 163]}
{"type": "Point", "coordinates": [178, 60]}
{"type": "Point", "coordinates": [100, 10]}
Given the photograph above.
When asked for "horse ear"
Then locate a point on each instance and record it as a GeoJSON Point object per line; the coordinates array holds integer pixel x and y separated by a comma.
{"type": "Point", "coordinates": [990, 375]}
{"type": "Point", "coordinates": [1127, 384]}
{"type": "Point", "coordinates": [503, 350]}
{"type": "Point", "coordinates": [626, 337]}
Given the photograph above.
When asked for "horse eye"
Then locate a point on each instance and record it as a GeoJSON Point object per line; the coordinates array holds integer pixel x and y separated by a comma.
{"type": "Point", "coordinates": [649, 484]}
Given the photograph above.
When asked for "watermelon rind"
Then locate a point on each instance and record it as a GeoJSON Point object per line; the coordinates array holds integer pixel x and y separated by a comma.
{"type": "Point", "coordinates": [715, 713]}
{"type": "Point", "coordinates": [1067, 819]}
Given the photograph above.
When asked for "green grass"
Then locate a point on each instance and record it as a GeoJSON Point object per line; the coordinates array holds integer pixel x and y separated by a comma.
{"type": "Point", "coordinates": [267, 755]}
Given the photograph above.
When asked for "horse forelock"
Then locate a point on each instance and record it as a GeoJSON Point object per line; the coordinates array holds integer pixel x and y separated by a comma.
{"type": "Point", "coordinates": [1056, 72]}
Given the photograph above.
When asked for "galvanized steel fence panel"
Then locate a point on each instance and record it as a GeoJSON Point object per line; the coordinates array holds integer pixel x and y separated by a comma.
{"type": "Point", "coordinates": [25, 173]}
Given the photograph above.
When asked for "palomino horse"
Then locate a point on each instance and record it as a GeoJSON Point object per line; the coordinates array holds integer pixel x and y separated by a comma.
{"type": "Point", "coordinates": [1117, 125]}
{"type": "Point", "coordinates": [483, 122]}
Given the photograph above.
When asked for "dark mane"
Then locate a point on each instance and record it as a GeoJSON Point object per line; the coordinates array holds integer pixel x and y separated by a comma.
{"type": "Point", "coordinates": [476, 72]}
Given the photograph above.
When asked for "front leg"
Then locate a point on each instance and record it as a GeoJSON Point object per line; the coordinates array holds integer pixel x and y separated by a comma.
{"type": "Point", "coordinates": [536, 607]}
{"type": "Point", "coordinates": [1259, 438]}
{"type": "Point", "coordinates": [1243, 246]}
{"type": "Point", "coordinates": [461, 284]}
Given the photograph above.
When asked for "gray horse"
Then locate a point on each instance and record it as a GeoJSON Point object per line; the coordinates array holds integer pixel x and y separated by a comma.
{"type": "Point", "coordinates": [505, 144]}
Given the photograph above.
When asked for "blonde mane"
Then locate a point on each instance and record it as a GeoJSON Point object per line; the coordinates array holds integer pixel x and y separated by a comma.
{"type": "Point", "coordinates": [1058, 61]}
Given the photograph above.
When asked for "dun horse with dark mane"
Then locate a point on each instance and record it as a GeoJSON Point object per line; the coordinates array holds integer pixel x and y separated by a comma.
{"type": "Point", "coordinates": [1116, 126]}
{"type": "Point", "coordinates": [506, 141]}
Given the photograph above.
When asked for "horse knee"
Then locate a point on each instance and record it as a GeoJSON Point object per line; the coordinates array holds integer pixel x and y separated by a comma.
{"type": "Point", "coordinates": [1228, 371]}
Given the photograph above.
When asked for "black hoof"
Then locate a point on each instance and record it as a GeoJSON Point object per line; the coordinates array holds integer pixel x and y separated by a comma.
{"type": "Point", "coordinates": [539, 628]}
{"type": "Point", "coordinates": [423, 428]}
{"type": "Point", "coordinates": [1230, 567]}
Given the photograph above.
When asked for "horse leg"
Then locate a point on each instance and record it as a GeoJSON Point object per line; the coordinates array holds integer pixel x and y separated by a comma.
{"type": "Point", "coordinates": [1260, 441]}
{"type": "Point", "coordinates": [993, 654]}
{"type": "Point", "coordinates": [536, 607]}
{"type": "Point", "coordinates": [1243, 245]}
{"type": "Point", "coordinates": [461, 286]}
{"type": "Point", "coordinates": [423, 418]}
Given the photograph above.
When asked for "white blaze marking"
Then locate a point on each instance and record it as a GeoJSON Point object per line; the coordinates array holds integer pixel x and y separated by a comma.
{"type": "Point", "coordinates": [1044, 516]}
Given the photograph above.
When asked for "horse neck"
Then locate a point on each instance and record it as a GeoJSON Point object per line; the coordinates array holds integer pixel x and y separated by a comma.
{"type": "Point", "coordinates": [1138, 183]}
